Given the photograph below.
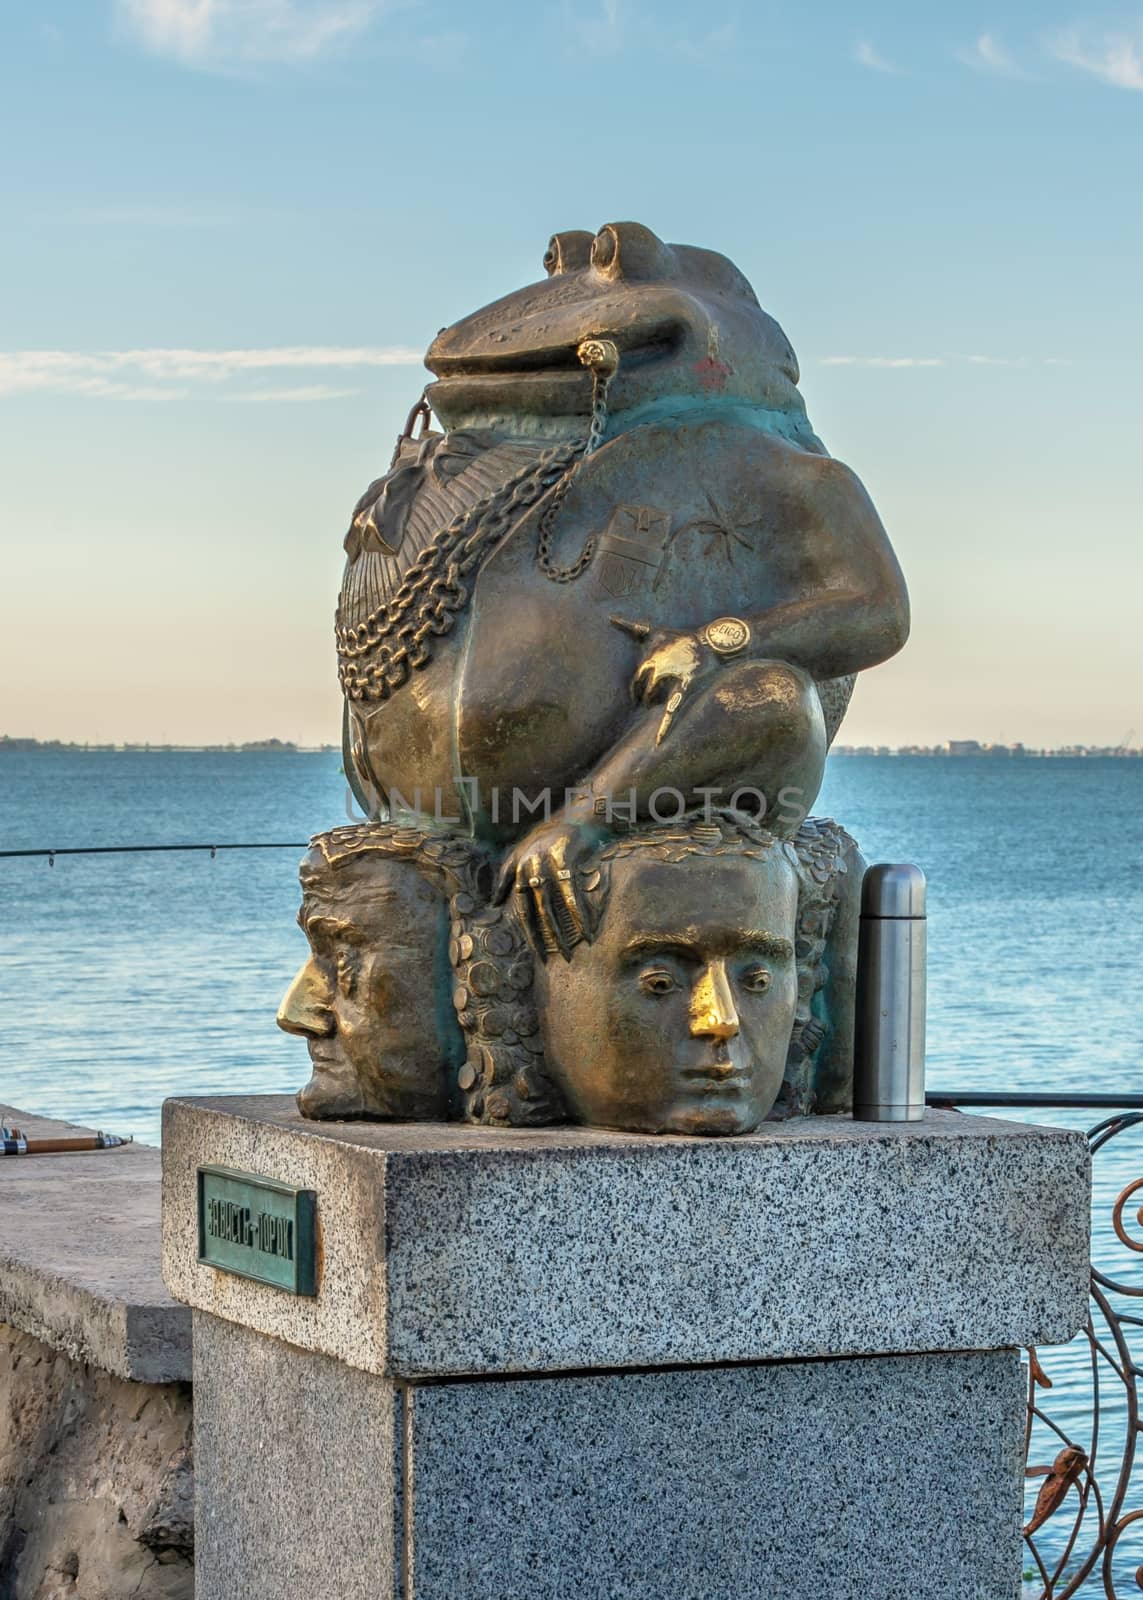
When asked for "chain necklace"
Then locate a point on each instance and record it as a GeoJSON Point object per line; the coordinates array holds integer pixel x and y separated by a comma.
{"type": "Point", "coordinates": [377, 655]}
{"type": "Point", "coordinates": [603, 359]}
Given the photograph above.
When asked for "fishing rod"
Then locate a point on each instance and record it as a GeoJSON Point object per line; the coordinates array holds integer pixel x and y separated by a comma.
{"type": "Point", "coordinates": [951, 1099]}
{"type": "Point", "coordinates": [146, 849]}
{"type": "Point", "coordinates": [14, 1142]}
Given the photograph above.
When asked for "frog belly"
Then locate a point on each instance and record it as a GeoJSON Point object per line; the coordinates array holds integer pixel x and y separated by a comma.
{"type": "Point", "coordinates": [544, 693]}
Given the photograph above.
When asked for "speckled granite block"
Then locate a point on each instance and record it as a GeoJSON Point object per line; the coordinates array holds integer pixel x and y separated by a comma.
{"type": "Point", "coordinates": [297, 1472]}
{"type": "Point", "coordinates": [881, 1479]}
{"type": "Point", "coordinates": [450, 1250]}
{"type": "Point", "coordinates": [874, 1479]}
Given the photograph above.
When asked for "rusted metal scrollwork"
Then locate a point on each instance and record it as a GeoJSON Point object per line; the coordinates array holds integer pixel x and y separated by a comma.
{"type": "Point", "coordinates": [1080, 1462]}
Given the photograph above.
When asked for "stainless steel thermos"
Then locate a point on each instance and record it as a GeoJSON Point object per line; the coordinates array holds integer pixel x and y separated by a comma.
{"type": "Point", "coordinates": [889, 1036]}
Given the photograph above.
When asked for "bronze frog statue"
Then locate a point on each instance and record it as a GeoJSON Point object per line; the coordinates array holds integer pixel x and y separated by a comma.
{"type": "Point", "coordinates": [623, 583]}
{"type": "Point", "coordinates": [573, 535]}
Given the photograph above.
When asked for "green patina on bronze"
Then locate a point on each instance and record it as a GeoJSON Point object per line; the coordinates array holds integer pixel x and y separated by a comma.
{"type": "Point", "coordinates": [258, 1229]}
{"type": "Point", "coordinates": [596, 633]}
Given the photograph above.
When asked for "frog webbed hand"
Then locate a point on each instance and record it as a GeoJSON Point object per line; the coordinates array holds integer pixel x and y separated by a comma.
{"type": "Point", "coordinates": [673, 662]}
{"type": "Point", "coordinates": [543, 869]}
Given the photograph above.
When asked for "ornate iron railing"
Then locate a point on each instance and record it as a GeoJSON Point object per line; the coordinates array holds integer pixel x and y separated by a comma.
{"type": "Point", "coordinates": [1081, 1441]}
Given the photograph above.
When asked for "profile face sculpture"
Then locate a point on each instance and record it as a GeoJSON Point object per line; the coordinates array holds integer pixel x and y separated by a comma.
{"type": "Point", "coordinates": [678, 1017]}
{"type": "Point", "coordinates": [624, 565]}
{"type": "Point", "coordinates": [377, 930]}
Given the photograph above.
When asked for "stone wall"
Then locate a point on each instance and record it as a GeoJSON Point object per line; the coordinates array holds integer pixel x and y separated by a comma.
{"type": "Point", "coordinates": [96, 1480]}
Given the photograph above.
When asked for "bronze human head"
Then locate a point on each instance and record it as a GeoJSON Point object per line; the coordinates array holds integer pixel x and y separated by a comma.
{"type": "Point", "coordinates": [678, 1016]}
{"type": "Point", "coordinates": [371, 1001]}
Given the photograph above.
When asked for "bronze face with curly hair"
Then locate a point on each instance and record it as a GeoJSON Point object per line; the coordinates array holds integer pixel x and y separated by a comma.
{"type": "Point", "coordinates": [700, 999]}
{"type": "Point", "coordinates": [678, 1016]}
{"type": "Point", "coordinates": [713, 987]}
{"type": "Point", "coordinates": [371, 1001]}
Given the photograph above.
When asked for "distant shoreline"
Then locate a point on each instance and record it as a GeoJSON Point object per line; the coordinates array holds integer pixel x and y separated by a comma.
{"type": "Point", "coordinates": [955, 749]}
{"type": "Point", "coordinates": [274, 746]}
{"type": "Point", "coordinates": [959, 749]}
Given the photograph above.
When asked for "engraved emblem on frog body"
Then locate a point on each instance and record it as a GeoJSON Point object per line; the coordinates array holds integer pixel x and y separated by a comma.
{"type": "Point", "coordinates": [631, 549]}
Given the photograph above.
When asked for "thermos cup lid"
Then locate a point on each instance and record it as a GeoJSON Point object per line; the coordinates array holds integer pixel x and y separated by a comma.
{"type": "Point", "coordinates": [893, 889]}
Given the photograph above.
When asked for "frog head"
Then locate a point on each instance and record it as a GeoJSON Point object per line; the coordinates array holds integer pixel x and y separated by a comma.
{"type": "Point", "coordinates": [686, 323]}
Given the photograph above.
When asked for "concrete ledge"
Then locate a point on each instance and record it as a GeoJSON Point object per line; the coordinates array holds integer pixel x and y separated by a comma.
{"type": "Point", "coordinates": [79, 1256]}
{"type": "Point", "coordinates": [451, 1251]}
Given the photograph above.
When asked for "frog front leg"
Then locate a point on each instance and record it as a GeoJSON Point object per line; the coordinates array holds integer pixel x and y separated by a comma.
{"type": "Point", "coordinates": [706, 732]}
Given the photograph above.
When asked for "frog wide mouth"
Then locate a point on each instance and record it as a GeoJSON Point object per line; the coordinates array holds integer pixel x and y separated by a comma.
{"type": "Point", "coordinates": [544, 380]}
{"type": "Point", "coordinates": [639, 344]}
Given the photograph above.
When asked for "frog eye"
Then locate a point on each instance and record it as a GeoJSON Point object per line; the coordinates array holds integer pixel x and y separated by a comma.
{"type": "Point", "coordinates": [567, 252]}
{"type": "Point", "coordinates": [629, 250]}
{"type": "Point", "coordinates": [604, 248]}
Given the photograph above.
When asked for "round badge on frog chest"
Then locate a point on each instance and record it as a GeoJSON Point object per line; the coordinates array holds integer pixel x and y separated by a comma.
{"type": "Point", "coordinates": [727, 635]}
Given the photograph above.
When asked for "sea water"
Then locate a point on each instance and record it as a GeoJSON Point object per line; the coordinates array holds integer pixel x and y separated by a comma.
{"type": "Point", "coordinates": [127, 978]}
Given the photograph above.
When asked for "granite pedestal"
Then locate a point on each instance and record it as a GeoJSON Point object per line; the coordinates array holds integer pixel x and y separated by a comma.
{"type": "Point", "coordinates": [577, 1364]}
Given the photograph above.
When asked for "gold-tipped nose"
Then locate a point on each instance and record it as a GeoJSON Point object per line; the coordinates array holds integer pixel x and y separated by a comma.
{"type": "Point", "coordinates": [307, 1007]}
{"type": "Point", "coordinates": [713, 1013]}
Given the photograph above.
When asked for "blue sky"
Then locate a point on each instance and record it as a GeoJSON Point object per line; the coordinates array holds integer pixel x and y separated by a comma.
{"type": "Point", "coordinates": [232, 225]}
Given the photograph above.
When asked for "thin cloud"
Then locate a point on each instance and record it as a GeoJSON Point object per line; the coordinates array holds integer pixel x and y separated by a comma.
{"type": "Point", "coordinates": [866, 55]}
{"type": "Point", "coordinates": [165, 373]}
{"type": "Point", "coordinates": [446, 52]}
{"type": "Point", "coordinates": [988, 55]}
{"type": "Point", "coordinates": [1116, 58]}
{"type": "Point", "coordinates": [883, 361]}
{"type": "Point", "coordinates": [905, 362]}
{"type": "Point", "coordinates": [136, 216]}
{"type": "Point", "coordinates": [600, 28]}
{"type": "Point", "coordinates": [607, 27]}
{"type": "Point", "coordinates": [697, 47]}
{"type": "Point", "coordinates": [216, 365]}
{"type": "Point", "coordinates": [311, 391]}
{"type": "Point", "coordinates": [225, 33]}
